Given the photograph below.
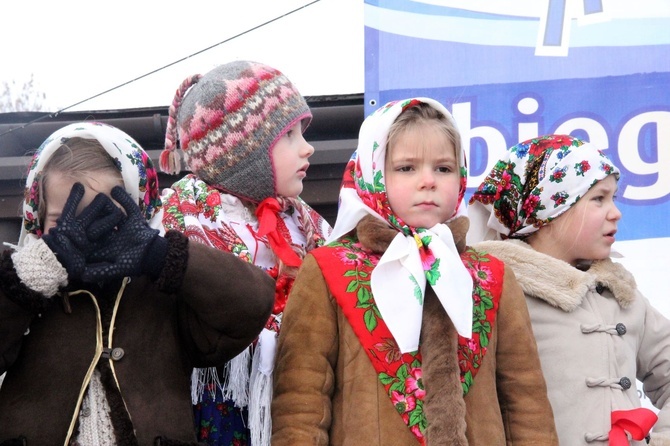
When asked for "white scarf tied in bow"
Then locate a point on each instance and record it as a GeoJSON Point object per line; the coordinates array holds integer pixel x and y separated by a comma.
{"type": "Point", "coordinates": [399, 284]}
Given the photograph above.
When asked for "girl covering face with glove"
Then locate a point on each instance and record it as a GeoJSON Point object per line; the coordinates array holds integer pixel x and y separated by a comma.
{"type": "Point", "coordinates": [102, 318]}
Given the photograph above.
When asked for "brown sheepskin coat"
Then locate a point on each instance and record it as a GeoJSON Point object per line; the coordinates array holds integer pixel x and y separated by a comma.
{"type": "Point", "coordinates": [327, 392]}
{"type": "Point", "coordinates": [144, 337]}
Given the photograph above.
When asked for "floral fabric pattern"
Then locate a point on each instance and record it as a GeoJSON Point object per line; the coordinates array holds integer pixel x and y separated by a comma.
{"type": "Point", "coordinates": [537, 181]}
{"type": "Point", "coordinates": [347, 267]}
{"type": "Point", "coordinates": [219, 422]}
{"type": "Point", "coordinates": [364, 172]}
{"type": "Point", "coordinates": [206, 215]}
{"type": "Point", "coordinates": [193, 208]}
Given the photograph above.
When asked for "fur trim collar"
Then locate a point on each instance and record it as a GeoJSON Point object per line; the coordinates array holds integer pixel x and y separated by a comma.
{"type": "Point", "coordinates": [376, 235]}
{"type": "Point", "coordinates": [444, 405]}
{"type": "Point", "coordinates": [557, 282]}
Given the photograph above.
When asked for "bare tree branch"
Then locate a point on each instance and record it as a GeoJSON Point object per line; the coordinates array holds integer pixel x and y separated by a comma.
{"type": "Point", "coordinates": [16, 97]}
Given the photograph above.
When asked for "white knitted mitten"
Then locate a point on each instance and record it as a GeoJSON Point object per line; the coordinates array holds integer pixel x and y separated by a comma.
{"type": "Point", "coordinates": [38, 268]}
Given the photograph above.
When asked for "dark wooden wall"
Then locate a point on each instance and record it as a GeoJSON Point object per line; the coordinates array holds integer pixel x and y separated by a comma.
{"type": "Point", "coordinates": [333, 133]}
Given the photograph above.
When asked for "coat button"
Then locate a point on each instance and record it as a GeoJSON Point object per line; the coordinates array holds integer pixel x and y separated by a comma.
{"type": "Point", "coordinates": [625, 383]}
{"type": "Point", "coordinates": [600, 288]}
{"type": "Point", "coordinates": [620, 329]}
{"type": "Point", "coordinates": [86, 412]}
{"type": "Point", "coordinates": [117, 354]}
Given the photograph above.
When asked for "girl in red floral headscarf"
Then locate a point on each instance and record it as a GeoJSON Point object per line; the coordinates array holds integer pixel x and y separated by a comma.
{"type": "Point", "coordinates": [397, 333]}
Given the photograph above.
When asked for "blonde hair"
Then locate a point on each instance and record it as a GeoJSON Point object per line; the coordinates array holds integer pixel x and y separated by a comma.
{"type": "Point", "coordinates": [75, 158]}
{"type": "Point", "coordinates": [423, 113]}
{"type": "Point", "coordinates": [557, 228]}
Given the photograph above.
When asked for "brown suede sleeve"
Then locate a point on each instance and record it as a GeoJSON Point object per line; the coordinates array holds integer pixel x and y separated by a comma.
{"type": "Point", "coordinates": [522, 391]}
{"type": "Point", "coordinates": [176, 260]}
{"type": "Point", "coordinates": [225, 302]}
{"type": "Point", "coordinates": [14, 289]}
{"type": "Point", "coordinates": [306, 357]}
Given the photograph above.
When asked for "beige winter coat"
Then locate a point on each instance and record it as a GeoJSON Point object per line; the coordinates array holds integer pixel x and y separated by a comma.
{"type": "Point", "coordinates": [593, 329]}
{"type": "Point", "coordinates": [327, 391]}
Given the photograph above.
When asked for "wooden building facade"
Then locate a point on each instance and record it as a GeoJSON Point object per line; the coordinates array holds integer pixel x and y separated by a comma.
{"type": "Point", "coordinates": [333, 133]}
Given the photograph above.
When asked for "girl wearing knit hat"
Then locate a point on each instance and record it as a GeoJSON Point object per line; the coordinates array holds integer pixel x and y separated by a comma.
{"type": "Point", "coordinates": [397, 333]}
{"type": "Point", "coordinates": [101, 317]}
{"type": "Point", "coordinates": [240, 127]}
{"type": "Point", "coordinates": [551, 201]}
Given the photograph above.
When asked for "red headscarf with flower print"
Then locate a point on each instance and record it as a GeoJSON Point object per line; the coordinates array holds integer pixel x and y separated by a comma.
{"type": "Point", "coordinates": [416, 256]}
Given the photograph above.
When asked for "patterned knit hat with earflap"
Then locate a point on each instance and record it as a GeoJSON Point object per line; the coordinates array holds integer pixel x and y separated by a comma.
{"type": "Point", "coordinates": [228, 124]}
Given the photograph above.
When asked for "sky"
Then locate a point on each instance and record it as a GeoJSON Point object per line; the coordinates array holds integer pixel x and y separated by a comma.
{"type": "Point", "coordinates": [76, 49]}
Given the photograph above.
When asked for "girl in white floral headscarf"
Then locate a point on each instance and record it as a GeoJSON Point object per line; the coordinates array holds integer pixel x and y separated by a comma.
{"type": "Point", "coordinates": [101, 317]}
{"type": "Point", "coordinates": [552, 200]}
{"type": "Point", "coordinates": [396, 332]}
{"type": "Point", "coordinates": [136, 171]}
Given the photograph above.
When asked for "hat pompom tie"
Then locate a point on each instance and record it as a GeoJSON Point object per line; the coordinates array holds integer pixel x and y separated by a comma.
{"type": "Point", "coordinates": [170, 161]}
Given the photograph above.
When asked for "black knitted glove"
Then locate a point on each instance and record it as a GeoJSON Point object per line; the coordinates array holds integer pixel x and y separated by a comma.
{"type": "Point", "coordinates": [106, 216]}
{"type": "Point", "coordinates": [68, 239]}
{"type": "Point", "coordinates": [132, 249]}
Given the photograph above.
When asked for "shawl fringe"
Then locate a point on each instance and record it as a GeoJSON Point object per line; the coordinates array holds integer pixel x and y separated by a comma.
{"type": "Point", "coordinates": [244, 387]}
{"type": "Point", "coordinates": [235, 383]}
{"type": "Point", "coordinates": [260, 388]}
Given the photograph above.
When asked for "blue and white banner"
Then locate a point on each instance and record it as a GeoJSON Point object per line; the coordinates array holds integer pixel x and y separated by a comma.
{"type": "Point", "coordinates": [510, 70]}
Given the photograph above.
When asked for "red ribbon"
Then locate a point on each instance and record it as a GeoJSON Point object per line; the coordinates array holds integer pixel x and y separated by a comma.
{"type": "Point", "coordinates": [268, 213]}
{"type": "Point", "coordinates": [637, 422]}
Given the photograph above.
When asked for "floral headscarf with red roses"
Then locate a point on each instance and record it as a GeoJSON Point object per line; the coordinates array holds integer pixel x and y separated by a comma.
{"type": "Point", "coordinates": [535, 182]}
{"type": "Point", "coordinates": [416, 256]}
{"type": "Point", "coordinates": [139, 176]}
